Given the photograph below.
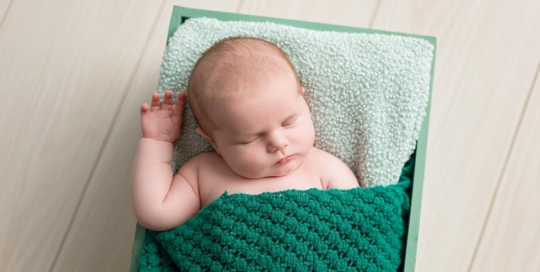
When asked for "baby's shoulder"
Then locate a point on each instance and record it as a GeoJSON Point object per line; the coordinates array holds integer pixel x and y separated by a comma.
{"type": "Point", "coordinates": [334, 173]}
{"type": "Point", "coordinates": [202, 165]}
{"type": "Point", "coordinates": [323, 158]}
{"type": "Point", "coordinates": [205, 159]}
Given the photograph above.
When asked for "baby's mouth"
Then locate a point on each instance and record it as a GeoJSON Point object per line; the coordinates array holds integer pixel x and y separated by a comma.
{"type": "Point", "coordinates": [285, 160]}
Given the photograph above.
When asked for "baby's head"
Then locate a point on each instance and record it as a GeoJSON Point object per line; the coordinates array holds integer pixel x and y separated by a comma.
{"type": "Point", "coordinates": [248, 101]}
{"type": "Point", "coordinates": [231, 69]}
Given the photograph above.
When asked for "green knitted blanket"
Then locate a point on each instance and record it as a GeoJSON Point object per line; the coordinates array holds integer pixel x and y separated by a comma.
{"type": "Point", "coordinates": [314, 230]}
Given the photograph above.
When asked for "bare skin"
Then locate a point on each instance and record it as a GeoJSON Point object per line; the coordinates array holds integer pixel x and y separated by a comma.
{"type": "Point", "coordinates": [275, 153]}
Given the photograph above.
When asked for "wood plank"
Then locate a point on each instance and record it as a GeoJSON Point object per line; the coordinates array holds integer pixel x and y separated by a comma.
{"type": "Point", "coordinates": [216, 5]}
{"type": "Point", "coordinates": [65, 68]}
{"type": "Point", "coordinates": [340, 12]}
{"type": "Point", "coordinates": [4, 10]}
{"type": "Point", "coordinates": [101, 236]}
{"type": "Point", "coordinates": [487, 55]}
{"type": "Point", "coordinates": [510, 239]}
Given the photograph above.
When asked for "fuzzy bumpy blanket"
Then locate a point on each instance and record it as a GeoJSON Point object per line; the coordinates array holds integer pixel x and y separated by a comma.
{"type": "Point", "coordinates": [367, 94]}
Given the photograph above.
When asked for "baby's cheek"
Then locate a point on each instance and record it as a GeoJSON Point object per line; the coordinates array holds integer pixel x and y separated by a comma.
{"type": "Point", "coordinates": [255, 157]}
{"type": "Point", "coordinates": [252, 158]}
{"type": "Point", "coordinates": [246, 163]}
{"type": "Point", "coordinates": [305, 134]}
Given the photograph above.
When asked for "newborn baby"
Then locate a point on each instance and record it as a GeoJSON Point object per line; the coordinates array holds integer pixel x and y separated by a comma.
{"type": "Point", "coordinates": [249, 104]}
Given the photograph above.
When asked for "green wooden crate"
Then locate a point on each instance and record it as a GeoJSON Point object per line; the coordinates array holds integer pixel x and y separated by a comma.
{"type": "Point", "coordinates": [180, 14]}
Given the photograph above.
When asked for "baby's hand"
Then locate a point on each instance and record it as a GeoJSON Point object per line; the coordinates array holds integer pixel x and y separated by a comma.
{"type": "Point", "coordinates": [163, 121]}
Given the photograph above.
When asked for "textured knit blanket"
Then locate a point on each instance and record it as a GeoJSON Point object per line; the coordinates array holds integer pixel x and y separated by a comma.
{"type": "Point", "coordinates": [314, 230]}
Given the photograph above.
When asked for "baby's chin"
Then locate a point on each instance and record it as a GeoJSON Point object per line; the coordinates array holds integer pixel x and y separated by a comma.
{"type": "Point", "coordinates": [262, 176]}
{"type": "Point", "coordinates": [273, 172]}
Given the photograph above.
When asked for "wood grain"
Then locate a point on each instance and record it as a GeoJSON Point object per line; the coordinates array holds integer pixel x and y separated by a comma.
{"type": "Point", "coordinates": [487, 54]}
{"type": "Point", "coordinates": [509, 241]}
{"type": "Point", "coordinates": [102, 233]}
{"type": "Point", "coordinates": [4, 9]}
{"type": "Point", "coordinates": [216, 5]}
{"type": "Point", "coordinates": [64, 71]}
{"type": "Point", "coordinates": [340, 12]}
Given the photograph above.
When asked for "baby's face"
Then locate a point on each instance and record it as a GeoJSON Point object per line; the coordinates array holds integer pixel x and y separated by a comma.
{"type": "Point", "coordinates": [267, 134]}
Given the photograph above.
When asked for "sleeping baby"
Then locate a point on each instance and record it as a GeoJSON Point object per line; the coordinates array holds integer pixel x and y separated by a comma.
{"type": "Point", "coordinates": [247, 99]}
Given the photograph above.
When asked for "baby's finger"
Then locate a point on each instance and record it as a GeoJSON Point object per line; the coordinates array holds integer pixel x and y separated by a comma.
{"type": "Point", "coordinates": [156, 104]}
{"type": "Point", "coordinates": [181, 100]}
{"type": "Point", "coordinates": [167, 100]}
{"type": "Point", "coordinates": [178, 108]}
{"type": "Point", "coordinates": [144, 109]}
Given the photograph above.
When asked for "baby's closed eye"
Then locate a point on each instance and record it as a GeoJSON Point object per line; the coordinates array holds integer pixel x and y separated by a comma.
{"type": "Point", "coordinates": [250, 139]}
{"type": "Point", "coordinates": [289, 121]}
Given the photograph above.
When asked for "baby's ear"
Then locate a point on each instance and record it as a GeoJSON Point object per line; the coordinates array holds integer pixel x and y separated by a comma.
{"type": "Point", "coordinates": [205, 136]}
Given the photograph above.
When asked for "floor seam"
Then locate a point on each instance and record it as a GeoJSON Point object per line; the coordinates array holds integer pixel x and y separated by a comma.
{"type": "Point", "coordinates": [5, 15]}
{"type": "Point", "coordinates": [375, 12]}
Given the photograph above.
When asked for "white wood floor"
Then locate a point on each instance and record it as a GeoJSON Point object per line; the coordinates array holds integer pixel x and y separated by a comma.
{"type": "Point", "coordinates": [74, 73]}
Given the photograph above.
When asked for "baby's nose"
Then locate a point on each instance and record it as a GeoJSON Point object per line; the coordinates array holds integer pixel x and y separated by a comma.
{"type": "Point", "coordinates": [277, 141]}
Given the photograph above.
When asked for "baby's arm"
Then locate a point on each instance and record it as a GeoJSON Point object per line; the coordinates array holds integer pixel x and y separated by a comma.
{"type": "Point", "coordinates": [161, 202]}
